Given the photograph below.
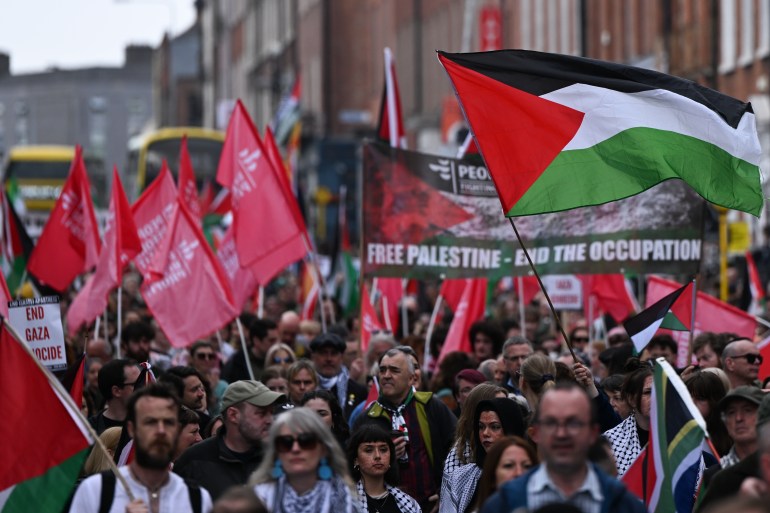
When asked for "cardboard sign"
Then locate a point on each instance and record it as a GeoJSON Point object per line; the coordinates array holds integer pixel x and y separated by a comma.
{"type": "Point", "coordinates": [38, 322]}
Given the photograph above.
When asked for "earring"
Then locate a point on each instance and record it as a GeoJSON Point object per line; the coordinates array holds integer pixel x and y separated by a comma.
{"type": "Point", "coordinates": [356, 467]}
{"type": "Point", "coordinates": [324, 470]}
{"type": "Point", "coordinates": [277, 471]}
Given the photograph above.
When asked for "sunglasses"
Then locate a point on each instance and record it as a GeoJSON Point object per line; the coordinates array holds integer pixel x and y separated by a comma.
{"type": "Point", "coordinates": [277, 359]}
{"type": "Point", "coordinates": [205, 356]}
{"type": "Point", "coordinates": [579, 339]}
{"type": "Point", "coordinates": [306, 441]}
{"type": "Point", "coordinates": [751, 358]}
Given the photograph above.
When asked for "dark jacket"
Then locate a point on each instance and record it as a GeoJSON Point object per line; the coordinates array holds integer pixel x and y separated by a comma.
{"type": "Point", "coordinates": [513, 494]}
{"type": "Point", "coordinates": [355, 396]}
{"type": "Point", "coordinates": [216, 468]}
{"type": "Point", "coordinates": [236, 369]}
{"type": "Point", "coordinates": [727, 482]}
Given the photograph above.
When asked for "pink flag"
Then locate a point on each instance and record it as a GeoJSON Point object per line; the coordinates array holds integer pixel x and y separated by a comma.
{"type": "Point", "coordinates": [121, 245]}
{"type": "Point", "coordinates": [611, 295]}
{"type": "Point", "coordinates": [152, 214]}
{"type": "Point", "coordinates": [267, 237]}
{"type": "Point", "coordinates": [69, 244]}
{"type": "Point", "coordinates": [274, 157]}
{"type": "Point", "coordinates": [188, 190]}
{"type": "Point", "coordinates": [242, 281]}
{"type": "Point", "coordinates": [369, 322]}
{"type": "Point", "coordinates": [471, 309]}
{"type": "Point", "coordinates": [189, 294]}
{"type": "Point", "coordinates": [711, 314]}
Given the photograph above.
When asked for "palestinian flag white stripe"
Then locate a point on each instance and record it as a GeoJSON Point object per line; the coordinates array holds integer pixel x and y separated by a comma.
{"type": "Point", "coordinates": [609, 112]}
{"type": "Point", "coordinates": [643, 338]}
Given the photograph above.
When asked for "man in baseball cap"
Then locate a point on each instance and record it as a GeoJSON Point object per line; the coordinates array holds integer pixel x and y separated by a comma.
{"type": "Point", "coordinates": [231, 456]}
{"type": "Point", "coordinates": [743, 404]}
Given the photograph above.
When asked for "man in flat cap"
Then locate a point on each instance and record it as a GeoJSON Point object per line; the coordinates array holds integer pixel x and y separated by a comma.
{"type": "Point", "coordinates": [326, 352]}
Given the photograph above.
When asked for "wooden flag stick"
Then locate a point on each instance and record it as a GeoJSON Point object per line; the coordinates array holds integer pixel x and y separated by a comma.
{"type": "Point", "coordinates": [545, 292]}
{"type": "Point", "coordinates": [64, 395]}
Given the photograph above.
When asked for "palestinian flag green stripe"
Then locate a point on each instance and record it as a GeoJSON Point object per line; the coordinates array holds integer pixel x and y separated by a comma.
{"type": "Point", "coordinates": [47, 492]}
{"type": "Point", "coordinates": [634, 161]}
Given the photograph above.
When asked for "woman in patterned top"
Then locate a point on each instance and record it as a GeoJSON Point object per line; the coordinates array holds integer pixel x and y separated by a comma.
{"type": "Point", "coordinates": [372, 458]}
{"type": "Point", "coordinates": [628, 437]}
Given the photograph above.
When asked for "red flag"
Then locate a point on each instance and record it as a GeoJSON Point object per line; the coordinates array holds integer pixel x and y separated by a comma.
{"type": "Point", "coordinates": [309, 290]}
{"type": "Point", "coordinates": [69, 244]}
{"type": "Point", "coordinates": [755, 285]}
{"type": "Point", "coordinates": [711, 314]}
{"type": "Point", "coordinates": [469, 310]}
{"type": "Point", "coordinates": [152, 213]}
{"type": "Point", "coordinates": [764, 349]}
{"type": "Point", "coordinates": [242, 281]}
{"type": "Point", "coordinates": [73, 380]}
{"type": "Point", "coordinates": [452, 291]}
{"type": "Point", "coordinates": [391, 292]}
{"type": "Point", "coordinates": [267, 237]}
{"type": "Point", "coordinates": [5, 296]}
{"type": "Point", "coordinates": [274, 157]}
{"type": "Point", "coordinates": [391, 127]}
{"type": "Point", "coordinates": [369, 322]}
{"type": "Point", "coordinates": [188, 190]}
{"type": "Point", "coordinates": [188, 294]}
{"type": "Point", "coordinates": [611, 295]}
{"type": "Point", "coordinates": [121, 245]}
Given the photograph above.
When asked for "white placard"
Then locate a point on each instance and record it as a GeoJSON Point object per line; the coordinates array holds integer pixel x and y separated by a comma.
{"type": "Point", "coordinates": [565, 291]}
{"type": "Point", "coordinates": [38, 322]}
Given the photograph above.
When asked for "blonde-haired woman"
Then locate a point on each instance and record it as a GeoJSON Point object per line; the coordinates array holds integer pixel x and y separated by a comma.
{"type": "Point", "coordinates": [97, 461]}
{"type": "Point", "coordinates": [303, 468]}
{"type": "Point", "coordinates": [538, 374]}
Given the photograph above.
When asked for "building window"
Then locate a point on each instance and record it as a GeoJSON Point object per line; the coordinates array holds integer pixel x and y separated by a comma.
{"type": "Point", "coordinates": [747, 33]}
{"type": "Point", "coordinates": [97, 125]}
{"type": "Point", "coordinates": [22, 123]}
{"type": "Point", "coordinates": [136, 116]}
{"type": "Point", "coordinates": [727, 35]}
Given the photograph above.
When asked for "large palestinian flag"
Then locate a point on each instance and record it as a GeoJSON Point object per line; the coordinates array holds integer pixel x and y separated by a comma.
{"type": "Point", "coordinates": [43, 440]}
{"type": "Point", "coordinates": [560, 132]}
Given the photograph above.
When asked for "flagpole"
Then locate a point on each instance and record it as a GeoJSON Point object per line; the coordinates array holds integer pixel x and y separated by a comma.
{"type": "Point", "coordinates": [319, 279]}
{"type": "Point", "coordinates": [404, 312]}
{"type": "Point", "coordinates": [545, 292]}
{"type": "Point", "coordinates": [520, 283]}
{"type": "Point", "coordinates": [64, 395]}
{"type": "Point", "coordinates": [692, 321]}
{"type": "Point", "coordinates": [246, 355]}
{"type": "Point", "coordinates": [431, 325]}
{"type": "Point", "coordinates": [260, 307]}
{"type": "Point", "coordinates": [20, 288]}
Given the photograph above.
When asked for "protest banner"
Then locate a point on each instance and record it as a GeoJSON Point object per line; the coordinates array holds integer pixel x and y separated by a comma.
{"type": "Point", "coordinates": [429, 216]}
{"type": "Point", "coordinates": [38, 322]}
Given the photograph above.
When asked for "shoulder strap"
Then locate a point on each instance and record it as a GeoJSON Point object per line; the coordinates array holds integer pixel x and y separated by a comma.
{"type": "Point", "coordinates": [196, 498]}
{"type": "Point", "coordinates": [108, 491]}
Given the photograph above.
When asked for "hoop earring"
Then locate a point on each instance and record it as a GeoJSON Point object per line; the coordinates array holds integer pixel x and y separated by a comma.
{"type": "Point", "coordinates": [277, 471]}
{"type": "Point", "coordinates": [324, 470]}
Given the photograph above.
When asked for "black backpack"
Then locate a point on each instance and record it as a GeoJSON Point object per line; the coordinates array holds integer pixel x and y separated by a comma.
{"type": "Point", "coordinates": [108, 493]}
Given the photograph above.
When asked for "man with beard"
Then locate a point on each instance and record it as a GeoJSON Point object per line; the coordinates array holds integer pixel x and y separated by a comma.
{"type": "Point", "coordinates": [152, 421]}
{"type": "Point", "coordinates": [230, 457]}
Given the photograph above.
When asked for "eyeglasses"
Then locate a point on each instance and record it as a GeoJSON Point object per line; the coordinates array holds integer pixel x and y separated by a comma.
{"type": "Point", "coordinates": [572, 426]}
{"type": "Point", "coordinates": [205, 356]}
{"type": "Point", "coordinates": [132, 384]}
{"type": "Point", "coordinates": [515, 358]}
{"type": "Point", "coordinates": [306, 441]}
{"type": "Point", "coordinates": [751, 358]}
{"type": "Point", "coordinates": [277, 359]}
{"type": "Point", "coordinates": [579, 339]}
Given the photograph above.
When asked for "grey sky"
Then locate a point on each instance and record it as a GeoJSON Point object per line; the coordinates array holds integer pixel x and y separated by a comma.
{"type": "Point", "coordinates": [39, 34]}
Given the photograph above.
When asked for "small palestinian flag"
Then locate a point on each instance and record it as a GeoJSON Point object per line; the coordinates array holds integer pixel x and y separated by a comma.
{"type": "Point", "coordinates": [560, 132]}
{"type": "Point", "coordinates": [642, 327]}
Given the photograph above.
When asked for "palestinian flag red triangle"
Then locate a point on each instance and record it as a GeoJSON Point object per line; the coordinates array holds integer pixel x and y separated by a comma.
{"type": "Point", "coordinates": [532, 129]}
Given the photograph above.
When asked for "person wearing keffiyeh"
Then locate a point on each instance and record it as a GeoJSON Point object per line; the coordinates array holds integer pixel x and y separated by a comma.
{"type": "Point", "coordinates": [422, 427]}
{"type": "Point", "coordinates": [326, 352]}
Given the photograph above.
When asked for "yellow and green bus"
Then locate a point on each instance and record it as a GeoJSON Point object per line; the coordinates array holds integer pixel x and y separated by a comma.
{"type": "Point", "coordinates": [147, 151]}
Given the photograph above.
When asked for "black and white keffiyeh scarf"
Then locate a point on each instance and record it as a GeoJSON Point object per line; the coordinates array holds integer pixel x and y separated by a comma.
{"type": "Point", "coordinates": [405, 502]}
{"type": "Point", "coordinates": [625, 443]}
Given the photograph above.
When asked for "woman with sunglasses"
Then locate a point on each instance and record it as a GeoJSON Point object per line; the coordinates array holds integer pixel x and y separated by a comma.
{"type": "Point", "coordinates": [372, 458]}
{"type": "Point", "coordinates": [280, 354]}
{"type": "Point", "coordinates": [303, 469]}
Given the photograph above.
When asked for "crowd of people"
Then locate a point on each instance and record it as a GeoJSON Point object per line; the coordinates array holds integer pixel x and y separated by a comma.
{"type": "Point", "coordinates": [297, 419]}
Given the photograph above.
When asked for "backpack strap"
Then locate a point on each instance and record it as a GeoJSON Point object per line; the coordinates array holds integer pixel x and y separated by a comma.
{"type": "Point", "coordinates": [196, 497]}
{"type": "Point", "coordinates": [108, 491]}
